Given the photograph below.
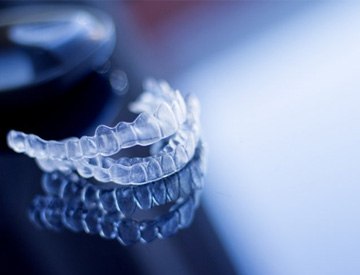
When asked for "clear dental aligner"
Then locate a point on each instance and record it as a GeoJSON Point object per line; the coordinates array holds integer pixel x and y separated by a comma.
{"type": "Point", "coordinates": [176, 152]}
{"type": "Point", "coordinates": [52, 213]}
{"type": "Point", "coordinates": [162, 112]}
{"type": "Point", "coordinates": [125, 200]}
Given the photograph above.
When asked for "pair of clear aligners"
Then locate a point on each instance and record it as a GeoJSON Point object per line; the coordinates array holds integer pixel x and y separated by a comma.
{"type": "Point", "coordinates": [164, 114]}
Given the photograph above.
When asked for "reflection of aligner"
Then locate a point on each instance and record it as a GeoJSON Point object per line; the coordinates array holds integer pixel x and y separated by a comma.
{"type": "Point", "coordinates": [162, 112]}
{"type": "Point", "coordinates": [74, 203]}
{"type": "Point", "coordinates": [173, 156]}
{"type": "Point", "coordinates": [52, 213]}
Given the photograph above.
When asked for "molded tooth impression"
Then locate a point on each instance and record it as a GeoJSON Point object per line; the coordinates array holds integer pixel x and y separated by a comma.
{"type": "Point", "coordinates": [51, 212]}
{"type": "Point", "coordinates": [147, 129]}
{"type": "Point", "coordinates": [171, 125]}
{"type": "Point", "coordinates": [173, 156]}
{"type": "Point", "coordinates": [167, 120]}
{"type": "Point", "coordinates": [105, 140]}
{"type": "Point", "coordinates": [16, 141]}
{"type": "Point", "coordinates": [124, 199]}
{"type": "Point", "coordinates": [162, 112]}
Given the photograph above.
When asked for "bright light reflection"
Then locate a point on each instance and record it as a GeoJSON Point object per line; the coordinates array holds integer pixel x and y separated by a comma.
{"type": "Point", "coordinates": [281, 116]}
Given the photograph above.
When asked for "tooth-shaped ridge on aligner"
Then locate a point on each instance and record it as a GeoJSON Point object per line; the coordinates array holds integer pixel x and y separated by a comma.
{"type": "Point", "coordinates": [157, 99]}
{"type": "Point", "coordinates": [173, 157]}
{"type": "Point", "coordinates": [50, 212]}
{"type": "Point", "coordinates": [178, 152]}
{"type": "Point", "coordinates": [70, 187]}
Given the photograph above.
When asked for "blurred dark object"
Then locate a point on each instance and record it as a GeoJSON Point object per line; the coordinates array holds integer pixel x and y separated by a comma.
{"type": "Point", "coordinates": [48, 55]}
{"type": "Point", "coordinates": [66, 105]}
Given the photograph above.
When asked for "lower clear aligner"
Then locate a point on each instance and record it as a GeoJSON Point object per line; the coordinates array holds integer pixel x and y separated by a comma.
{"type": "Point", "coordinates": [125, 199]}
{"type": "Point", "coordinates": [173, 156]}
{"type": "Point", "coordinates": [162, 112]}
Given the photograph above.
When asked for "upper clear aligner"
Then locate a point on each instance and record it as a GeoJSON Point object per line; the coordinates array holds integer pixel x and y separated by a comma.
{"type": "Point", "coordinates": [162, 112]}
{"type": "Point", "coordinates": [175, 153]}
{"type": "Point", "coordinates": [165, 114]}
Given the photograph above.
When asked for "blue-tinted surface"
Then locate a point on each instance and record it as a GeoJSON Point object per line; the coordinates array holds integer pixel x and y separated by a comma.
{"type": "Point", "coordinates": [283, 172]}
{"type": "Point", "coordinates": [283, 180]}
{"type": "Point", "coordinates": [15, 69]}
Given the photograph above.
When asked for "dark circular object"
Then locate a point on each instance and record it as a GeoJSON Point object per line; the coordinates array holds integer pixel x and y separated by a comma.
{"type": "Point", "coordinates": [48, 57]}
{"type": "Point", "coordinates": [42, 44]}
